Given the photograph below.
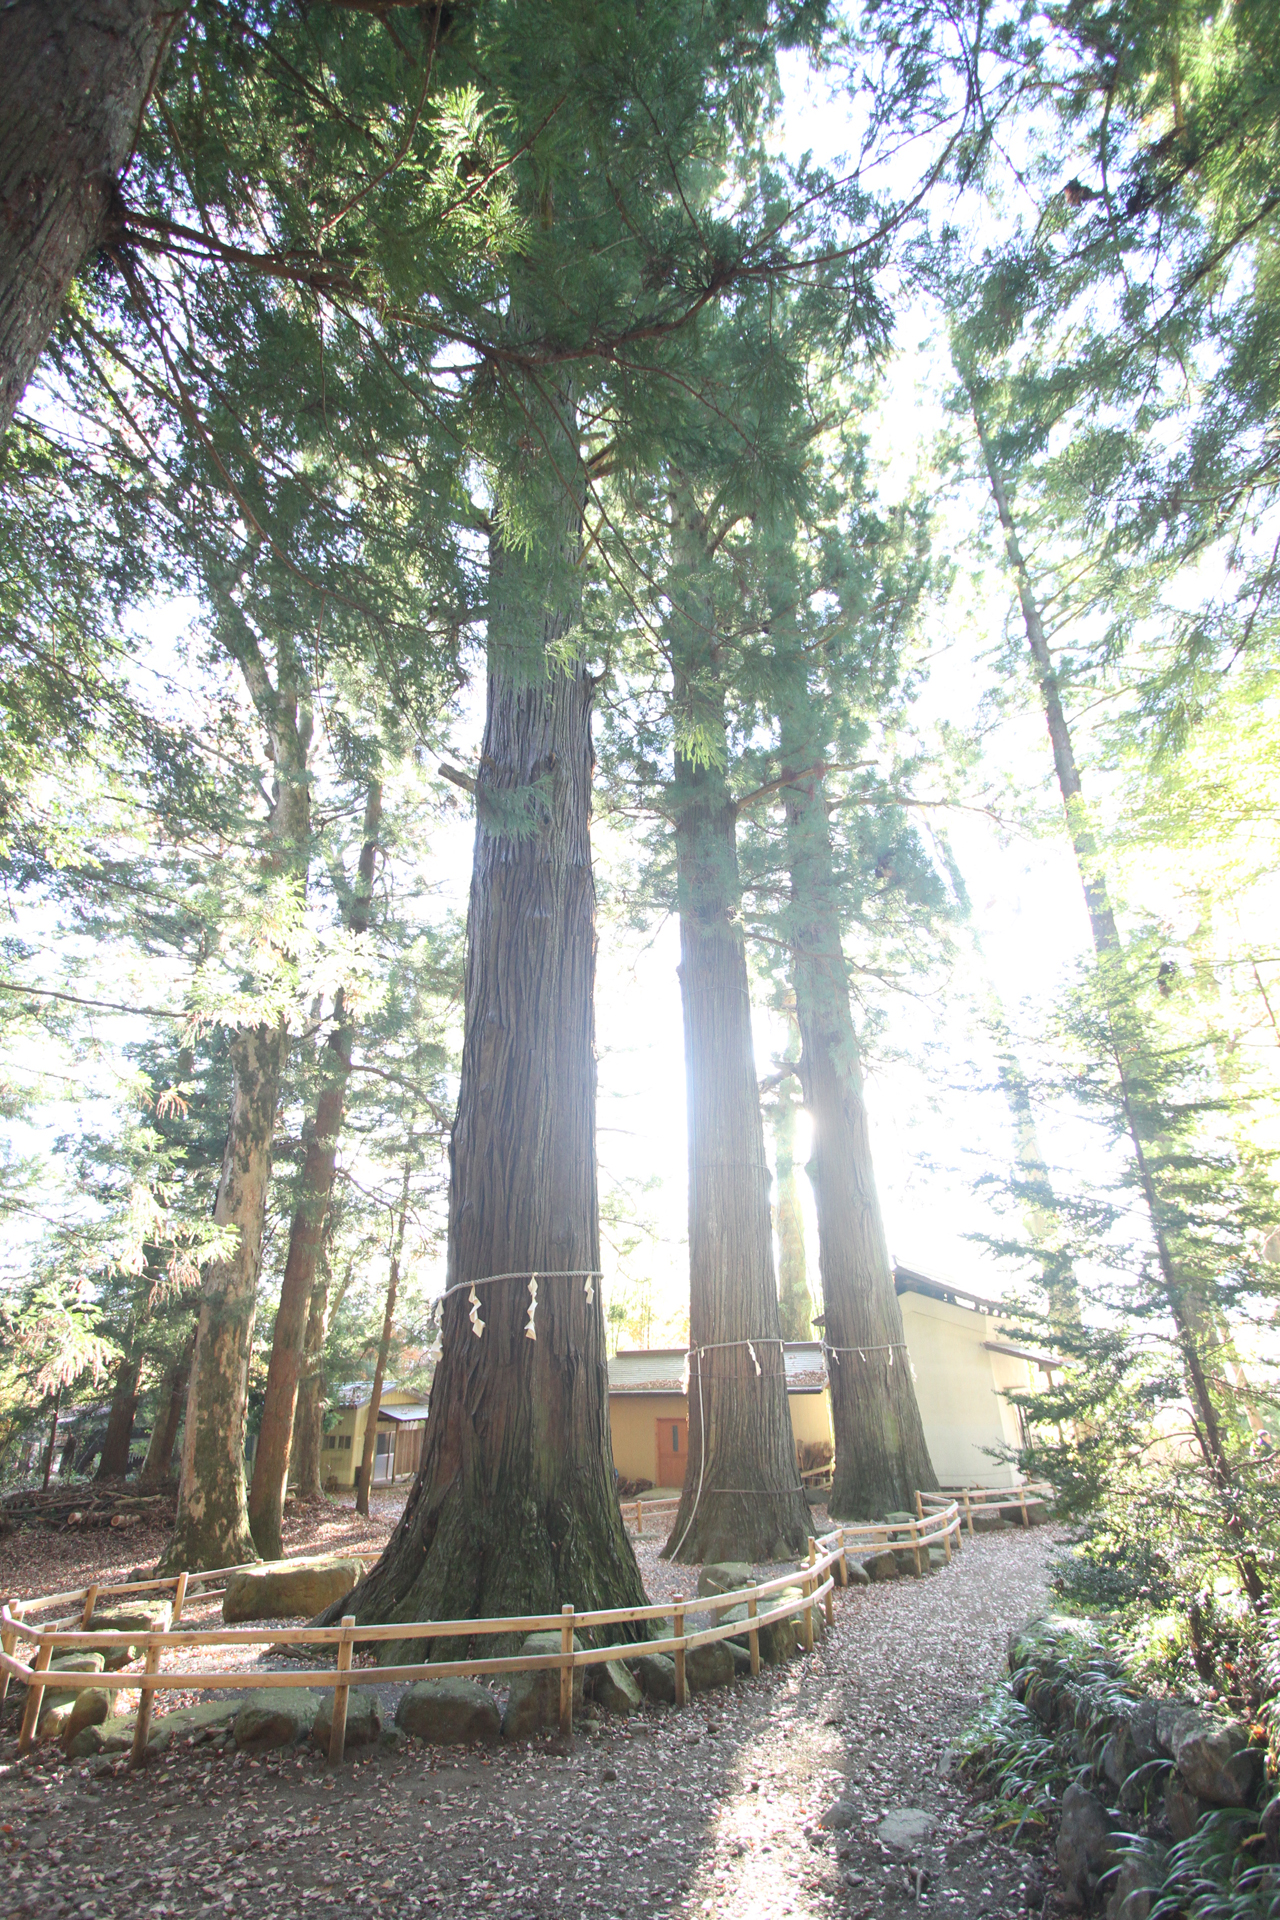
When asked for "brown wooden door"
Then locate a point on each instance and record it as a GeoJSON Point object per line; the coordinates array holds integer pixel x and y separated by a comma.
{"type": "Point", "coordinates": [673, 1452]}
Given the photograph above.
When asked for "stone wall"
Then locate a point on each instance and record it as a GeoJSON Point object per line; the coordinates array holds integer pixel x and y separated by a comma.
{"type": "Point", "coordinates": [1148, 1766]}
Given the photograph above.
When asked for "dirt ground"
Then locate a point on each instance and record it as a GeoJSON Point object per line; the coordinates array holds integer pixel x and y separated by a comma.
{"type": "Point", "coordinates": [716, 1810]}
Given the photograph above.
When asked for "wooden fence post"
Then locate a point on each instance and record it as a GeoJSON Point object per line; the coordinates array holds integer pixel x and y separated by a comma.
{"type": "Point", "coordinates": [919, 1506]}
{"type": "Point", "coordinates": [968, 1511]}
{"type": "Point", "coordinates": [338, 1725]}
{"type": "Point", "coordinates": [844, 1561]}
{"type": "Point", "coordinates": [753, 1633]}
{"type": "Point", "coordinates": [915, 1541]}
{"type": "Point", "coordinates": [9, 1640]}
{"type": "Point", "coordinates": [1022, 1502]}
{"type": "Point", "coordinates": [807, 1584]}
{"type": "Point", "coordinates": [639, 1518]}
{"type": "Point", "coordinates": [946, 1534]}
{"type": "Point", "coordinates": [566, 1672]}
{"type": "Point", "coordinates": [179, 1598]}
{"type": "Point", "coordinates": [35, 1696]}
{"type": "Point", "coordinates": [678, 1634]}
{"type": "Point", "coordinates": [90, 1602]}
{"type": "Point", "coordinates": [146, 1700]}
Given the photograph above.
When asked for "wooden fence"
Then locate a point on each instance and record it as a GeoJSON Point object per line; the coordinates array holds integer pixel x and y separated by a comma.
{"type": "Point", "coordinates": [987, 1499]}
{"type": "Point", "coordinates": [826, 1567]}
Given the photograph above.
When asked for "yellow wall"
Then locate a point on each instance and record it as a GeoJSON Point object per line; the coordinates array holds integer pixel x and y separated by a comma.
{"type": "Point", "coordinates": [956, 1386]}
{"type": "Point", "coordinates": [633, 1422]}
{"type": "Point", "coordinates": [634, 1417]}
{"type": "Point", "coordinates": [339, 1465]}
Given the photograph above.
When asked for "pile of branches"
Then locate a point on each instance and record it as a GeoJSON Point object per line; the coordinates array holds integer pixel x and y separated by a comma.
{"type": "Point", "coordinates": [84, 1508]}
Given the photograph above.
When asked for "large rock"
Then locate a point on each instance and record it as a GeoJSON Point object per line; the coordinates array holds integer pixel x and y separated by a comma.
{"type": "Point", "coordinates": [154, 1618]}
{"type": "Point", "coordinates": [1132, 1890]}
{"type": "Point", "coordinates": [364, 1720]}
{"type": "Point", "coordinates": [856, 1573]}
{"type": "Point", "coordinates": [656, 1673]}
{"type": "Point", "coordinates": [612, 1687]}
{"type": "Point", "coordinates": [449, 1712]}
{"type": "Point", "coordinates": [905, 1828]}
{"type": "Point", "coordinates": [880, 1566]}
{"type": "Point", "coordinates": [187, 1723]}
{"type": "Point", "coordinates": [58, 1705]}
{"type": "Point", "coordinates": [726, 1576]}
{"type": "Point", "coordinates": [289, 1589]}
{"type": "Point", "coordinates": [777, 1640]}
{"type": "Point", "coordinates": [1183, 1809]}
{"type": "Point", "coordinates": [1085, 1844]}
{"type": "Point", "coordinates": [987, 1520]}
{"type": "Point", "coordinates": [710, 1666]}
{"type": "Point", "coordinates": [533, 1704]}
{"type": "Point", "coordinates": [275, 1717]}
{"type": "Point", "coordinates": [1173, 1719]}
{"type": "Point", "coordinates": [93, 1706]}
{"type": "Point", "coordinates": [1216, 1761]}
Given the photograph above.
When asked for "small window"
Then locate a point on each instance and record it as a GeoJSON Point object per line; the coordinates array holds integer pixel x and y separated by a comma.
{"type": "Point", "coordinates": [344, 1443]}
{"type": "Point", "coordinates": [330, 1442]}
{"type": "Point", "coordinates": [675, 1438]}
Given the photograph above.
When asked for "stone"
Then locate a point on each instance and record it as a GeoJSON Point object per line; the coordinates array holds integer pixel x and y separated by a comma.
{"type": "Point", "coordinates": [880, 1566]}
{"type": "Point", "coordinates": [116, 1735]}
{"type": "Point", "coordinates": [1173, 1719]}
{"type": "Point", "coordinates": [741, 1657]}
{"type": "Point", "coordinates": [726, 1576]}
{"type": "Point", "coordinates": [706, 1667]}
{"type": "Point", "coordinates": [902, 1519]}
{"type": "Point", "coordinates": [449, 1713]}
{"type": "Point", "coordinates": [155, 1618]}
{"type": "Point", "coordinates": [857, 1573]}
{"type": "Point", "coordinates": [987, 1520]}
{"type": "Point", "coordinates": [613, 1688]}
{"type": "Point", "coordinates": [289, 1589]}
{"type": "Point", "coordinates": [1183, 1809]}
{"type": "Point", "coordinates": [1084, 1846]}
{"type": "Point", "coordinates": [92, 1707]}
{"type": "Point", "coordinates": [906, 1559]}
{"type": "Point", "coordinates": [391, 1740]}
{"type": "Point", "coordinates": [364, 1720]}
{"type": "Point", "coordinates": [905, 1828]}
{"type": "Point", "coordinates": [937, 1558]}
{"type": "Point", "coordinates": [777, 1639]}
{"type": "Point", "coordinates": [839, 1817]}
{"type": "Point", "coordinates": [1217, 1763]}
{"type": "Point", "coordinates": [656, 1673]}
{"type": "Point", "coordinates": [275, 1717]}
{"type": "Point", "coordinates": [1132, 1890]}
{"type": "Point", "coordinates": [533, 1704]}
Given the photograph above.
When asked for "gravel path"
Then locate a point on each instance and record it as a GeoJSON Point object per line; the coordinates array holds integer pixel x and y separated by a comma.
{"type": "Point", "coordinates": [714, 1811]}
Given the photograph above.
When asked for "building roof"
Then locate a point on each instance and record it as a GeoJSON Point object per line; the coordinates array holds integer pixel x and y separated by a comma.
{"type": "Point", "coordinates": [906, 1280]}
{"type": "Point", "coordinates": [404, 1413]}
{"type": "Point", "coordinates": [661, 1369]}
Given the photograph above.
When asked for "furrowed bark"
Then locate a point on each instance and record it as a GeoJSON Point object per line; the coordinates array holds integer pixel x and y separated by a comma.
{"type": "Point", "coordinates": [384, 1349]}
{"type": "Point", "coordinates": [275, 1435]}
{"type": "Point", "coordinates": [113, 1463]}
{"type": "Point", "coordinates": [213, 1522]}
{"type": "Point", "coordinates": [742, 1498]}
{"type": "Point", "coordinates": [74, 77]}
{"type": "Point", "coordinates": [514, 1508]}
{"type": "Point", "coordinates": [795, 1303]}
{"type": "Point", "coordinates": [881, 1453]}
{"type": "Point", "coordinates": [164, 1430]}
{"type": "Point", "coordinates": [308, 1422]}
{"type": "Point", "coordinates": [51, 1449]}
{"type": "Point", "coordinates": [1193, 1318]}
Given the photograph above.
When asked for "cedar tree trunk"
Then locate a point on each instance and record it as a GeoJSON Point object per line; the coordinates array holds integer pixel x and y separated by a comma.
{"type": "Point", "coordinates": [114, 1461]}
{"type": "Point", "coordinates": [308, 1421]}
{"type": "Point", "coordinates": [881, 1455]}
{"type": "Point", "coordinates": [212, 1527]}
{"type": "Point", "coordinates": [514, 1509]}
{"type": "Point", "coordinates": [75, 75]}
{"type": "Point", "coordinates": [306, 1233]}
{"type": "Point", "coordinates": [164, 1432]}
{"type": "Point", "coordinates": [53, 1439]}
{"type": "Point", "coordinates": [795, 1303]}
{"type": "Point", "coordinates": [384, 1348]}
{"type": "Point", "coordinates": [742, 1497]}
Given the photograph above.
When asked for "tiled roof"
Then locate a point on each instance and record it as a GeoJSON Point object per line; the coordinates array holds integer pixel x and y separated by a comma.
{"type": "Point", "coordinates": [661, 1369]}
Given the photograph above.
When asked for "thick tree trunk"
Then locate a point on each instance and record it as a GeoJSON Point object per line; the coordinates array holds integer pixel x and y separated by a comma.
{"type": "Point", "coordinates": [514, 1509]}
{"type": "Point", "coordinates": [881, 1454]}
{"type": "Point", "coordinates": [74, 77]}
{"type": "Point", "coordinates": [742, 1498]}
{"type": "Point", "coordinates": [365, 1480]}
{"type": "Point", "coordinates": [213, 1522]}
{"type": "Point", "coordinates": [113, 1463]}
{"type": "Point", "coordinates": [308, 1424]}
{"type": "Point", "coordinates": [164, 1431]}
{"type": "Point", "coordinates": [1193, 1317]}
{"type": "Point", "coordinates": [795, 1302]}
{"type": "Point", "coordinates": [306, 1233]}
